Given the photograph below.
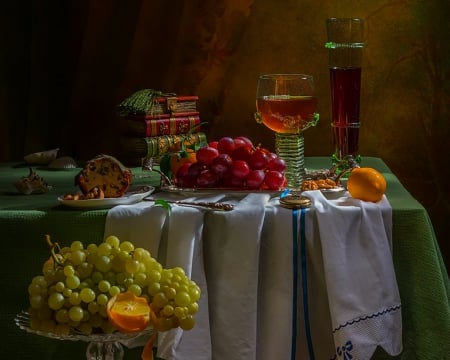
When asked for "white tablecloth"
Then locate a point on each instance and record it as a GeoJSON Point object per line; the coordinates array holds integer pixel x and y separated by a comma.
{"type": "Point", "coordinates": [243, 262]}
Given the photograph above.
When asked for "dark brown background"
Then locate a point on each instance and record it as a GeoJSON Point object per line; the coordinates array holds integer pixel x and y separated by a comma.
{"type": "Point", "coordinates": [65, 65]}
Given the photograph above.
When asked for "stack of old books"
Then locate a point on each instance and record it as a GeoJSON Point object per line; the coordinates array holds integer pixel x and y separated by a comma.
{"type": "Point", "coordinates": [153, 124]}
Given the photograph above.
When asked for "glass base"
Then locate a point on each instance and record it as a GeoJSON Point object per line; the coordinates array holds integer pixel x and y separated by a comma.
{"type": "Point", "coordinates": [290, 148]}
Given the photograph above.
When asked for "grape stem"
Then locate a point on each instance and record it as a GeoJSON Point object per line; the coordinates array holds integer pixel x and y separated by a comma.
{"type": "Point", "coordinates": [54, 250]}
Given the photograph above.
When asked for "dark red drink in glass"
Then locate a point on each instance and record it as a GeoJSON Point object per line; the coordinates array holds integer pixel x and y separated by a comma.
{"type": "Point", "coordinates": [345, 45]}
{"type": "Point", "coordinates": [345, 99]}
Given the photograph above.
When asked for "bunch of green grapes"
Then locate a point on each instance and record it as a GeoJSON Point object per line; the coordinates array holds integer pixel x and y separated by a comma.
{"type": "Point", "coordinates": [77, 282]}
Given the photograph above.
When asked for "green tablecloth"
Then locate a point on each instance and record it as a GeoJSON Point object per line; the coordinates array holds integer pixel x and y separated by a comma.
{"type": "Point", "coordinates": [421, 274]}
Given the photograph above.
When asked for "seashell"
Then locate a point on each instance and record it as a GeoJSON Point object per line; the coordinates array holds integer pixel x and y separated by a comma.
{"type": "Point", "coordinates": [42, 157]}
{"type": "Point", "coordinates": [32, 184]}
{"type": "Point", "coordinates": [63, 162]}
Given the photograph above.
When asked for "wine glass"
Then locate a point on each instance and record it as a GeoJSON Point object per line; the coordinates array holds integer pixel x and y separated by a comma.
{"type": "Point", "coordinates": [286, 104]}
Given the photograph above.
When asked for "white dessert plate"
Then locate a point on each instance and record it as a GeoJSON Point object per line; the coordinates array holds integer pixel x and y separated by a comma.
{"type": "Point", "coordinates": [134, 195]}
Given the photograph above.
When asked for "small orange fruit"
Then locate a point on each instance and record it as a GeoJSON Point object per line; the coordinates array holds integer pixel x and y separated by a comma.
{"type": "Point", "coordinates": [128, 313]}
{"type": "Point", "coordinates": [177, 160]}
{"type": "Point", "coordinates": [366, 184]}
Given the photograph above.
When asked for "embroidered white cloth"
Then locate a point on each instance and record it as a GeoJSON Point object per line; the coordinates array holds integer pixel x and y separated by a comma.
{"type": "Point", "coordinates": [363, 297]}
{"type": "Point", "coordinates": [242, 260]}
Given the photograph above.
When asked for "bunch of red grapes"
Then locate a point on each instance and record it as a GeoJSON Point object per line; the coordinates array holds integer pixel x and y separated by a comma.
{"type": "Point", "coordinates": [233, 163]}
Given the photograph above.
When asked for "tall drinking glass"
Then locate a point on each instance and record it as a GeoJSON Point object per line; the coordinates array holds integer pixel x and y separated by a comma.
{"type": "Point", "coordinates": [345, 45]}
{"type": "Point", "coordinates": [286, 104]}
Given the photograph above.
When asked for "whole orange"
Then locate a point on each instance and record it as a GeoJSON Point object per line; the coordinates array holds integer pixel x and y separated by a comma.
{"type": "Point", "coordinates": [177, 160]}
{"type": "Point", "coordinates": [366, 184]}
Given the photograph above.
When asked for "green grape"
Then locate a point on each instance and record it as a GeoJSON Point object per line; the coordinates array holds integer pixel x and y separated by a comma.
{"type": "Point", "coordinates": [76, 313]}
{"type": "Point", "coordinates": [72, 281]}
{"type": "Point", "coordinates": [163, 324]}
{"type": "Point", "coordinates": [56, 301]}
{"type": "Point", "coordinates": [154, 288]}
{"type": "Point", "coordinates": [85, 270]}
{"type": "Point", "coordinates": [168, 310]}
{"type": "Point", "coordinates": [37, 301]}
{"type": "Point", "coordinates": [103, 263]}
{"type": "Point", "coordinates": [178, 271]}
{"type": "Point", "coordinates": [76, 245]}
{"type": "Point", "coordinates": [66, 292]}
{"type": "Point", "coordinates": [113, 241]}
{"type": "Point", "coordinates": [104, 286]}
{"type": "Point", "coordinates": [74, 298]}
{"type": "Point", "coordinates": [34, 289]}
{"type": "Point", "coordinates": [194, 292]}
{"type": "Point", "coordinates": [182, 298]}
{"type": "Point", "coordinates": [104, 249]}
{"type": "Point", "coordinates": [154, 275]}
{"type": "Point", "coordinates": [59, 286]}
{"type": "Point", "coordinates": [69, 270]}
{"type": "Point", "coordinates": [193, 308]}
{"type": "Point", "coordinates": [170, 292]}
{"type": "Point", "coordinates": [160, 300]}
{"type": "Point", "coordinates": [96, 276]}
{"type": "Point", "coordinates": [128, 281]}
{"type": "Point", "coordinates": [91, 249]}
{"type": "Point", "coordinates": [187, 322]}
{"type": "Point", "coordinates": [114, 290]}
{"type": "Point", "coordinates": [77, 257]}
{"type": "Point", "coordinates": [140, 254]}
{"type": "Point", "coordinates": [102, 299]}
{"type": "Point", "coordinates": [87, 295]}
{"type": "Point", "coordinates": [39, 280]}
{"type": "Point", "coordinates": [62, 316]}
{"type": "Point", "coordinates": [93, 307]}
{"type": "Point", "coordinates": [135, 289]}
{"type": "Point", "coordinates": [140, 279]}
{"type": "Point", "coordinates": [126, 246]}
{"type": "Point", "coordinates": [132, 266]}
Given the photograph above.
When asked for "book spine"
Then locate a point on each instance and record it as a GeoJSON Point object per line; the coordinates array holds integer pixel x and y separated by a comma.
{"type": "Point", "coordinates": [155, 146]}
{"type": "Point", "coordinates": [147, 127]}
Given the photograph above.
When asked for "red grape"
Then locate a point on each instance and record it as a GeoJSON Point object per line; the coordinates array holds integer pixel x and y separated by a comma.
{"type": "Point", "coordinates": [258, 160]}
{"type": "Point", "coordinates": [195, 169]}
{"type": "Point", "coordinates": [244, 139]}
{"type": "Point", "coordinates": [241, 153]}
{"type": "Point", "coordinates": [274, 180]}
{"type": "Point", "coordinates": [207, 178]}
{"type": "Point", "coordinates": [255, 179]}
{"type": "Point", "coordinates": [221, 163]}
{"type": "Point", "coordinates": [206, 154]}
{"type": "Point", "coordinates": [226, 145]}
{"type": "Point", "coordinates": [239, 169]}
{"type": "Point", "coordinates": [277, 164]}
{"type": "Point", "coordinates": [213, 144]}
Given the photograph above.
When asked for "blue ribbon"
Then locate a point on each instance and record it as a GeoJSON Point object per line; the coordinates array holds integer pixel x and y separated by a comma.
{"type": "Point", "coordinates": [305, 283]}
{"type": "Point", "coordinates": [294, 282]}
{"type": "Point", "coordinates": [295, 237]}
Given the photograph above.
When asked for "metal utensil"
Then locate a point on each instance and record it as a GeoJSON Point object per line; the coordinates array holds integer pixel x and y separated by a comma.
{"type": "Point", "coordinates": [218, 206]}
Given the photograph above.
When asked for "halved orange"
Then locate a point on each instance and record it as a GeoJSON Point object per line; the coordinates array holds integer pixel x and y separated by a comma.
{"type": "Point", "coordinates": [366, 184]}
{"type": "Point", "coordinates": [128, 313]}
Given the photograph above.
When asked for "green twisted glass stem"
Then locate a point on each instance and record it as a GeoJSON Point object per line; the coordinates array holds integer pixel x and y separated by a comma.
{"type": "Point", "coordinates": [290, 148]}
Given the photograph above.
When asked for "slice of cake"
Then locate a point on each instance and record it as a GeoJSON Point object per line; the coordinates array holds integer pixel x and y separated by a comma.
{"type": "Point", "coordinates": [106, 174]}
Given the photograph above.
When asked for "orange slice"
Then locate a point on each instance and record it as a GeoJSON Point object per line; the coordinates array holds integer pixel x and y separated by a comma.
{"type": "Point", "coordinates": [128, 313]}
{"type": "Point", "coordinates": [366, 184]}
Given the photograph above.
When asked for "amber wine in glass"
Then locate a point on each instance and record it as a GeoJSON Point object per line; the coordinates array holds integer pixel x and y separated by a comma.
{"type": "Point", "coordinates": [286, 104]}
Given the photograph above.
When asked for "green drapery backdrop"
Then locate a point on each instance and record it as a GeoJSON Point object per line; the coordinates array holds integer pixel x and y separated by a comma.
{"type": "Point", "coordinates": [65, 65]}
